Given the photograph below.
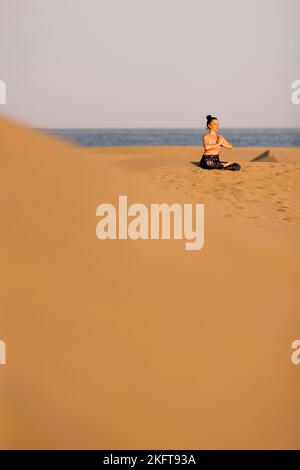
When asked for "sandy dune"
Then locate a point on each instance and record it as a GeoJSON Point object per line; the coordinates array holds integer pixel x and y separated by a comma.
{"type": "Point", "coordinates": [141, 344]}
{"type": "Point", "coordinates": [265, 193]}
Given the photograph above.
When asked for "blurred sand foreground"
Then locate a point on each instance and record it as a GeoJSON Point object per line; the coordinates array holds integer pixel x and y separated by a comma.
{"type": "Point", "coordinates": [139, 344]}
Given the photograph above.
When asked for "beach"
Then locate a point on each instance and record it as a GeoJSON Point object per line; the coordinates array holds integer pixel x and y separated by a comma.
{"type": "Point", "coordinates": [139, 344]}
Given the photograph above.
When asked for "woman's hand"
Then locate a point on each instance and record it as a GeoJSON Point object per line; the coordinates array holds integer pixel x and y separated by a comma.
{"type": "Point", "coordinates": [220, 139]}
{"type": "Point", "coordinates": [223, 142]}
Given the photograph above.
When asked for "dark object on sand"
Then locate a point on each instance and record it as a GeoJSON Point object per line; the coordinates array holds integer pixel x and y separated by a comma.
{"type": "Point", "coordinates": [264, 157]}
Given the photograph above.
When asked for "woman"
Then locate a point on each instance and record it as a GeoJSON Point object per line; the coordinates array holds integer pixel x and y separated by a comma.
{"type": "Point", "coordinates": [213, 143]}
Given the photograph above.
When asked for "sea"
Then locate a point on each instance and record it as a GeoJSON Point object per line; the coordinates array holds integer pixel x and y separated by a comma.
{"type": "Point", "coordinates": [178, 137]}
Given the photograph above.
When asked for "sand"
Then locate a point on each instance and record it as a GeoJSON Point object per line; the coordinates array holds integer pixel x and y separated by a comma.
{"type": "Point", "coordinates": [139, 344]}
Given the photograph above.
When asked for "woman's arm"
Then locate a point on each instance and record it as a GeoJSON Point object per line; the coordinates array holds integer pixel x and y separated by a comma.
{"type": "Point", "coordinates": [208, 146]}
{"type": "Point", "coordinates": [223, 142]}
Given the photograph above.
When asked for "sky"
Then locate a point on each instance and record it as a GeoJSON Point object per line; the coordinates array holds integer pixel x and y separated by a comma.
{"type": "Point", "coordinates": [150, 63]}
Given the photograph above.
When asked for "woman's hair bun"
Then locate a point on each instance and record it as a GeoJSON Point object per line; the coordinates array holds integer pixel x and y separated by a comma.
{"type": "Point", "coordinates": [209, 118]}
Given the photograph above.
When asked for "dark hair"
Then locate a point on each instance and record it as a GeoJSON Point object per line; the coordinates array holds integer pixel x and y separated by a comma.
{"type": "Point", "coordinates": [209, 119]}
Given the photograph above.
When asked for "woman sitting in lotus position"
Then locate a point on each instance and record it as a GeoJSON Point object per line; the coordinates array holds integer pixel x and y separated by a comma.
{"type": "Point", "coordinates": [213, 143]}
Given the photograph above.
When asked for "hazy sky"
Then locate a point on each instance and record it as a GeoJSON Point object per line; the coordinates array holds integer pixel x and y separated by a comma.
{"type": "Point", "coordinates": [150, 63]}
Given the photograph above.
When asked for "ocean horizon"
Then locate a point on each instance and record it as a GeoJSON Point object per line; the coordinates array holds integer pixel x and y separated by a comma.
{"type": "Point", "coordinates": [123, 137]}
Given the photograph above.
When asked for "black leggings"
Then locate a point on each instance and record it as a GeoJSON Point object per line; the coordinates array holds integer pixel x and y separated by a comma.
{"type": "Point", "coordinates": [212, 162]}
